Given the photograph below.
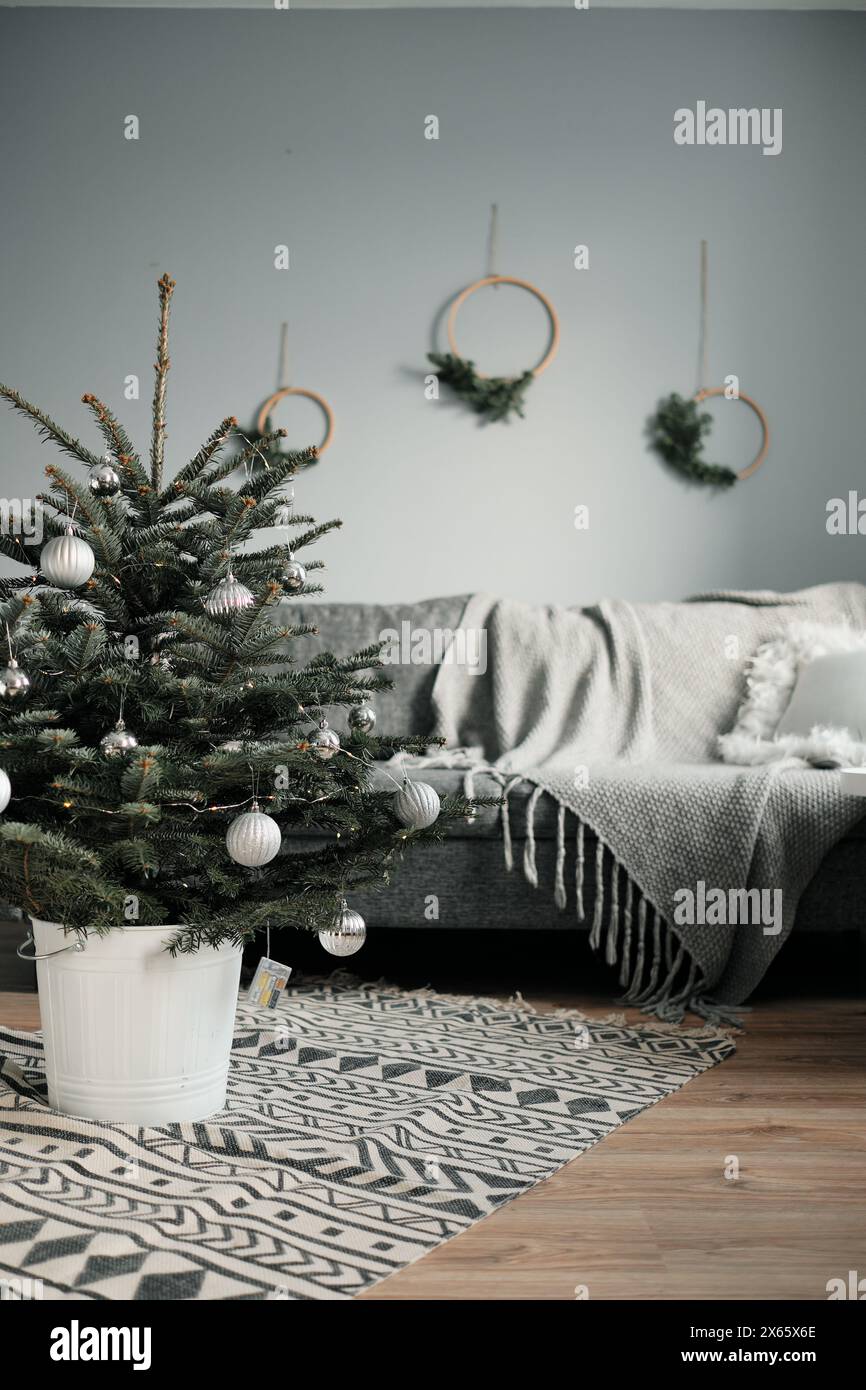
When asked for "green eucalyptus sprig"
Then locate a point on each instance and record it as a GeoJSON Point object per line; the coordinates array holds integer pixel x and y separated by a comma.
{"type": "Point", "coordinates": [677, 432]}
{"type": "Point", "coordinates": [495, 397]}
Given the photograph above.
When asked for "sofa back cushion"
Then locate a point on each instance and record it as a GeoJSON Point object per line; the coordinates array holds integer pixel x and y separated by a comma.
{"type": "Point", "coordinates": [414, 633]}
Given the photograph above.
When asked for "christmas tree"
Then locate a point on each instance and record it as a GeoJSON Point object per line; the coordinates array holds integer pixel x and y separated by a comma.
{"type": "Point", "coordinates": [159, 734]}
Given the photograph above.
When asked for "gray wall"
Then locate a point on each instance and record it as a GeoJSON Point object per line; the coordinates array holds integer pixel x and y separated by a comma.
{"type": "Point", "coordinates": [262, 128]}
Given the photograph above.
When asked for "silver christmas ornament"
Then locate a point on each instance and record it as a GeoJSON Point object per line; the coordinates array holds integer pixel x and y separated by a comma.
{"type": "Point", "coordinates": [104, 479]}
{"type": "Point", "coordinates": [416, 805]}
{"type": "Point", "coordinates": [229, 597]}
{"type": "Point", "coordinates": [324, 741]}
{"type": "Point", "coordinates": [294, 575]}
{"type": "Point", "coordinates": [5, 790]}
{"type": "Point", "coordinates": [118, 742]}
{"type": "Point", "coordinates": [362, 717]}
{"type": "Point", "coordinates": [13, 681]}
{"type": "Point", "coordinates": [67, 560]}
{"type": "Point", "coordinates": [347, 933]}
{"type": "Point", "coordinates": [253, 838]}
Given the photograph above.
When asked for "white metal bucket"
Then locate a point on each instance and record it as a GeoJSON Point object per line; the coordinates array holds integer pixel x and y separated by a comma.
{"type": "Point", "coordinates": [133, 1034]}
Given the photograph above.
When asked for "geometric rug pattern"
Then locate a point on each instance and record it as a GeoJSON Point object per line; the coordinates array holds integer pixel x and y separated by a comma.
{"type": "Point", "coordinates": [365, 1125]}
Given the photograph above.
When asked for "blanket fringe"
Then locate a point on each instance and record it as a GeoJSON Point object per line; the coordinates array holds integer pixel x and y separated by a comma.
{"type": "Point", "coordinates": [529, 867]}
{"type": "Point", "coordinates": [611, 950]}
{"type": "Point", "coordinates": [655, 971]}
{"type": "Point", "coordinates": [559, 896]}
{"type": "Point", "coordinates": [595, 934]}
{"type": "Point", "coordinates": [578, 874]}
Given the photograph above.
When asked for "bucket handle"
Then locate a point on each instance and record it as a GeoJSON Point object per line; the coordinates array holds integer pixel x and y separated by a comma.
{"type": "Point", "coordinates": [76, 946]}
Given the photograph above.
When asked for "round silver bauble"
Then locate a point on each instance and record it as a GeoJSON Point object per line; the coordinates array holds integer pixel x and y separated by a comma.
{"type": "Point", "coordinates": [363, 718]}
{"type": "Point", "coordinates": [253, 838]}
{"type": "Point", "coordinates": [5, 790]}
{"type": "Point", "coordinates": [119, 741]}
{"type": "Point", "coordinates": [104, 479]}
{"type": "Point", "coordinates": [324, 741]}
{"type": "Point", "coordinates": [67, 560]}
{"type": "Point", "coordinates": [228, 598]}
{"type": "Point", "coordinates": [13, 681]}
{"type": "Point", "coordinates": [347, 933]}
{"type": "Point", "coordinates": [294, 575]}
{"type": "Point", "coordinates": [416, 805]}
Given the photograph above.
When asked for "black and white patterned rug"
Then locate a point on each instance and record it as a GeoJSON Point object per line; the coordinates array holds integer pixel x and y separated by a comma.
{"type": "Point", "coordinates": [365, 1125]}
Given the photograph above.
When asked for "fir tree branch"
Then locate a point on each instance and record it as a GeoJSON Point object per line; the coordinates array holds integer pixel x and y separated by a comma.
{"type": "Point", "coordinates": [48, 429]}
{"type": "Point", "coordinates": [201, 460]}
{"type": "Point", "coordinates": [163, 362]}
{"type": "Point", "coordinates": [120, 445]}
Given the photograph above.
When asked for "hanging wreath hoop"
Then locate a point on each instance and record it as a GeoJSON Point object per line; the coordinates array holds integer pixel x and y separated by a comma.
{"type": "Point", "coordinates": [677, 431]}
{"type": "Point", "coordinates": [261, 423]}
{"type": "Point", "coordinates": [495, 397]}
{"type": "Point", "coordinates": [707, 391]}
{"type": "Point", "coordinates": [553, 317]}
{"type": "Point", "coordinates": [678, 427]}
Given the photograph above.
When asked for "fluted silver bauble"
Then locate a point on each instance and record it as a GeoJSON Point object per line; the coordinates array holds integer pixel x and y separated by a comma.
{"type": "Point", "coordinates": [416, 805]}
{"type": "Point", "coordinates": [347, 933]}
{"type": "Point", "coordinates": [229, 597]}
{"type": "Point", "coordinates": [324, 741]}
{"type": "Point", "coordinates": [13, 681]}
{"type": "Point", "coordinates": [294, 575]}
{"type": "Point", "coordinates": [5, 790]}
{"type": "Point", "coordinates": [119, 741]}
{"type": "Point", "coordinates": [67, 560]}
{"type": "Point", "coordinates": [104, 479]}
{"type": "Point", "coordinates": [253, 838]}
{"type": "Point", "coordinates": [362, 717]}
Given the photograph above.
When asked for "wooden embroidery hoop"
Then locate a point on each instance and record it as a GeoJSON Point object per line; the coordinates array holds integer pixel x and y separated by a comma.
{"type": "Point", "coordinates": [552, 346]}
{"type": "Point", "coordinates": [311, 396]}
{"type": "Point", "coordinates": [706, 391]}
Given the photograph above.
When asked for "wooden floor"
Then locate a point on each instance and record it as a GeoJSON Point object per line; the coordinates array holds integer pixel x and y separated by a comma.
{"type": "Point", "coordinates": [649, 1213]}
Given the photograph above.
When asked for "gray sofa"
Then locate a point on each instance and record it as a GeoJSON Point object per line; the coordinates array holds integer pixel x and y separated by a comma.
{"type": "Point", "coordinates": [466, 871]}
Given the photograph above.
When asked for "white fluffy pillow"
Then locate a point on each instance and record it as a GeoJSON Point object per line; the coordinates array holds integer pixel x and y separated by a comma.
{"type": "Point", "coordinates": [771, 679]}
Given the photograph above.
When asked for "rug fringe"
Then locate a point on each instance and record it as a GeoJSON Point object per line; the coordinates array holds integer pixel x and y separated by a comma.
{"type": "Point", "coordinates": [517, 1003]}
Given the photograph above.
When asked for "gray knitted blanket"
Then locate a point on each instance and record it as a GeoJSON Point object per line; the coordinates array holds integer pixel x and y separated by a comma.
{"type": "Point", "coordinates": [614, 711]}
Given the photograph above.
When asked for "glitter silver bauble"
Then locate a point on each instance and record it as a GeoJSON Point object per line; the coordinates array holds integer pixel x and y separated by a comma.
{"type": "Point", "coordinates": [294, 575]}
{"type": "Point", "coordinates": [118, 742]}
{"type": "Point", "coordinates": [229, 597]}
{"type": "Point", "coordinates": [13, 681]}
{"type": "Point", "coordinates": [324, 741]}
{"type": "Point", "coordinates": [67, 560]}
{"type": "Point", "coordinates": [5, 789]}
{"type": "Point", "coordinates": [363, 718]}
{"type": "Point", "coordinates": [253, 838]}
{"type": "Point", "coordinates": [416, 805]}
{"type": "Point", "coordinates": [347, 933]}
{"type": "Point", "coordinates": [104, 479]}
